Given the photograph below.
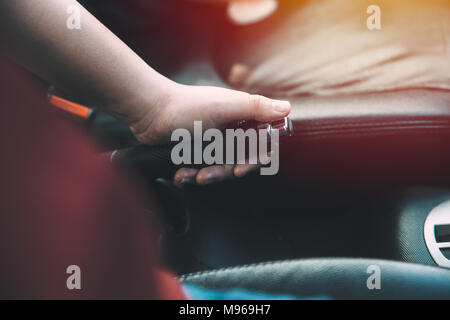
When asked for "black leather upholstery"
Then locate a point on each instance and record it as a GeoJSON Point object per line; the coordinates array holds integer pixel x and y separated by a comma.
{"type": "Point", "coordinates": [333, 278]}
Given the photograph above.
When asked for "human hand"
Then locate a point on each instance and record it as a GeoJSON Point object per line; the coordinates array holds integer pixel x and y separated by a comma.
{"type": "Point", "coordinates": [215, 107]}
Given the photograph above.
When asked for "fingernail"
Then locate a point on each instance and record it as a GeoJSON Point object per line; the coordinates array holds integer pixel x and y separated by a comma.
{"type": "Point", "coordinates": [281, 106]}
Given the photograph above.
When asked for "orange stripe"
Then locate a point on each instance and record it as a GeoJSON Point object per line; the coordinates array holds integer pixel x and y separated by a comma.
{"type": "Point", "coordinates": [70, 107]}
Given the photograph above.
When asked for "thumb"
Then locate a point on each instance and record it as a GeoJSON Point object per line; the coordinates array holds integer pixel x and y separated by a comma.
{"type": "Point", "coordinates": [265, 109]}
{"type": "Point", "coordinates": [244, 106]}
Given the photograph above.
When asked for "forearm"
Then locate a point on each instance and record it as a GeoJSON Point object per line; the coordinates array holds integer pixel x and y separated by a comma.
{"type": "Point", "coordinates": [90, 62]}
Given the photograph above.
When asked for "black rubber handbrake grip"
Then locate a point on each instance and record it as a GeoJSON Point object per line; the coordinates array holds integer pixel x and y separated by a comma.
{"type": "Point", "coordinates": [154, 161]}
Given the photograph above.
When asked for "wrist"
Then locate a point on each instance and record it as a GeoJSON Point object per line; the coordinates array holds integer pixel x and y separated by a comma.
{"type": "Point", "coordinates": [145, 108]}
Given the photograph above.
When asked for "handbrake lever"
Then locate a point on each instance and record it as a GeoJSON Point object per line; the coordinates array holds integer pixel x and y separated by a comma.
{"type": "Point", "coordinates": [155, 161]}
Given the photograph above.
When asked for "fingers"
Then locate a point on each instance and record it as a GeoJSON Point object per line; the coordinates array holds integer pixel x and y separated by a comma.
{"type": "Point", "coordinates": [185, 176]}
{"type": "Point", "coordinates": [241, 170]}
{"type": "Point", "coordinates": [216, 173]}
{"type": "Point", "coordinates": [252, 164]}
{"type": "Point", "coordinates": [212, 174]}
